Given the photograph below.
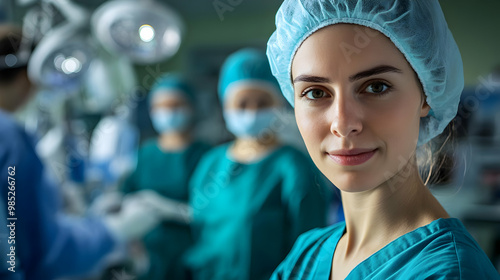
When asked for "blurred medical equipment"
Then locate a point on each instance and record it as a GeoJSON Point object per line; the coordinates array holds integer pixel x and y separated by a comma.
{"type": "Point", "coordinates": [145, 31]}
{"type": "Point", "coordinates": [113, 149]}
{"type": "Point", "coordinates": [65, 51]}
{"type": "Point", "coordinates": [109, 83]}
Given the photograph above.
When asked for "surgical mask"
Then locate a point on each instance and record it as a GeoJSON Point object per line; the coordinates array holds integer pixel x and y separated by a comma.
{"type": "Point", "coordinates": [248, 123]}
{"type": "Point", "coordinates": [167, 120]}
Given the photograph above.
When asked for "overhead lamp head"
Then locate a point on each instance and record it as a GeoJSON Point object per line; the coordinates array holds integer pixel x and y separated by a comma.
{"type": "Point", "coordinates": [61, 59]}
{"type": "Point", "coordinates": [145, 31]}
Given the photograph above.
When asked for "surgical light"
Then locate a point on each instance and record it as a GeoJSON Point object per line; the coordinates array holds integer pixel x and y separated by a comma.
{"type": "Point", "coordinates": [71, 65]}
{"type": "Point", "coordinates": [144, 31]}
{"type": "Point", "coordinates": [61, 58]}
{"type": "Point", "coordinates": [147, 33]}
{"type": "Point", "coordinates": [10, 60]}
{"type": "Point", "coordinates": [63, 55]}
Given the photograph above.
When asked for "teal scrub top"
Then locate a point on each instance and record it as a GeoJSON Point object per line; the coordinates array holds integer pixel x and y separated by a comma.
{"type": "Point", "coordinates": [247, 216]}
{"type": "Point", "coordinates": [167, 173]}
{"type": "Point", "coordinates": [442, 249]}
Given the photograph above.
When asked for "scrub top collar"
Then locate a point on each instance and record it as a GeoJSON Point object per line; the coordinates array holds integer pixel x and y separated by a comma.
{"type": "Point", "coordinates": [383, 255]}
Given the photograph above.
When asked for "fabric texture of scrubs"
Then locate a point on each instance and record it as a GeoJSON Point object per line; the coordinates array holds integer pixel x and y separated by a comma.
{"type": "Point", "coordinates": [442, 249]}
{"type": "Point", "coordinates": [168, 174]}
{"type": "Point", "coordinates": [48, 244]}
{"type": "Point", "coordinates": [247, 216]}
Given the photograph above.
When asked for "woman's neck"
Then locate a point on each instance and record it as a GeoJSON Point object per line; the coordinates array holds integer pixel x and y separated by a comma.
{"type": "Point", "coordinates": [375, 218]}
{"type": "Point", "coordinates": [174, 141]}
{"type": "Point", "coordinates": [251, 149]}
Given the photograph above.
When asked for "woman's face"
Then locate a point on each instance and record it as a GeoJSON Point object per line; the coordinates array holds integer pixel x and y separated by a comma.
{"type": "Point", "coordinates": [358, 105]}
{"type": "Point", "coordinates": [169, 100]}
{"type": "Point", "coordinates": [250, 98]}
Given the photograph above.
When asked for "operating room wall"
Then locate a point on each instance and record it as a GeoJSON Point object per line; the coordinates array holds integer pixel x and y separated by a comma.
{"type": "Point", "coordinates": [475, 26]}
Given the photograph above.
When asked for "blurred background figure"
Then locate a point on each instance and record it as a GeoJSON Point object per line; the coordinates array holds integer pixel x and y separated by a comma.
{"type": "Point", "coordinates": [251, 197]}
{"type": "Point", "coordinates": [49, 244]}
{"type": "Point", "coordinates": [164, 166]}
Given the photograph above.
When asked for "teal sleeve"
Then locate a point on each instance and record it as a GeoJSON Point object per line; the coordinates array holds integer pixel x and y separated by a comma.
{"type": "Point", "coordinates": [131, 182]}
{"type": "Point", "coordinates": [129, 185]}
{"type": "Point", "coordinates": [197, 199]}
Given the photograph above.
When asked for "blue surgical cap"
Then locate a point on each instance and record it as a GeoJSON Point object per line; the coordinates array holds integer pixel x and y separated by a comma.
{"type": "Point", "coordinates": [246, 66]}
{"type": "Point", "coordinates": [174, 82]}
{"type": "Point", "coordinates": [416, 27]}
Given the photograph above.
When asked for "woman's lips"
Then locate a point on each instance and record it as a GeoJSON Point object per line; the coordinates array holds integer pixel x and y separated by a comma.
{"type": "Point", "coordinates": [351, 157]}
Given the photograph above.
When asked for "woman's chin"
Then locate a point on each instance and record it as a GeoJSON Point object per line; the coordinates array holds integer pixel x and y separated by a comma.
{"type": "Point", "coordinates": [354, 183]}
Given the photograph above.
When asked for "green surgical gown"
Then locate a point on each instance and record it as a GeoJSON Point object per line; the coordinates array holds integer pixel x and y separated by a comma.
{"type": "Point", "coordinates": [442, 249]}
{"type": "Point", "coordinates": [167, 173]}
{"type": "Point", "coordinates": [247, 216]}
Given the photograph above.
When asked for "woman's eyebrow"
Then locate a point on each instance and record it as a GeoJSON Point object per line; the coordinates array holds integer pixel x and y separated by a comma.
{"type": "Point", "coordinates": [311, 79]}
{"type": "Point", "coordinates": [374, 71]}
{"type": "Point", "coordinates": [367, 73]}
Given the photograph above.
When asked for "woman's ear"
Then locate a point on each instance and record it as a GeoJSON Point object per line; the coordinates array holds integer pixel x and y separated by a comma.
{"type": "Point", "coordinates": [425, 109]}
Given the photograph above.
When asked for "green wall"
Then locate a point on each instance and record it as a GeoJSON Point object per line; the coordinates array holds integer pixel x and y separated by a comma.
{"type": "Point", "coordinates": [474, 24]}
{"type": "Point", "coordinates": [476, 28]}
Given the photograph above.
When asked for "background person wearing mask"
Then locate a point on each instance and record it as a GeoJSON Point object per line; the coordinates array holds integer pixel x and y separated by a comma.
{"type": "Point", "coordinates": [164, 166]}
{"type": "Point", "coordinates": [251, 197]}
{"type": "Point", "coordinates": [48, 243]}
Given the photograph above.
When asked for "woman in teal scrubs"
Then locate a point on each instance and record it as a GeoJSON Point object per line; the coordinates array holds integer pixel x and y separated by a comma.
{"type": "Point", "coordinates": [165, 165]}
{"type": "Point", "coordinates": [254, 196]}
{"type": "Point", "coordinates": [370, 81]}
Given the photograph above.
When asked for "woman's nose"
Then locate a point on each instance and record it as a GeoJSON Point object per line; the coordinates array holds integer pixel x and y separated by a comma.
{"type": "Point", "coordinates": [345, 116]}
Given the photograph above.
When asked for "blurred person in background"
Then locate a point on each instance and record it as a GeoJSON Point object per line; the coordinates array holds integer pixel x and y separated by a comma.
{"type": "Point", "coordinates": [48, 243]}
{"type": "Point", "coordinates": [251, 197]}
{"type": "Point", "coordinates": [164, 166]}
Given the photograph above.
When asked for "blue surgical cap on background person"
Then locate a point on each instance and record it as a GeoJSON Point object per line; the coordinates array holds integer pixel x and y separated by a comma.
{"type": "Point", "coordinates": [248, 67]}
{"type": "Point", "coordinates": [172, 83]}
{"type": "Point", "coordinates": [417, 28]}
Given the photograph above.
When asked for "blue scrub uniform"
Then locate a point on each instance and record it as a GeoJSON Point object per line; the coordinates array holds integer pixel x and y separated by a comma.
{"type": "Point", "coordinates": [247, 216]}
{"type": "Point", "coordinates": [442, 249]}
{"type": "Point", "coordinates": [168, 174]}
{"type": "Point", "coordinates": [48, 244]}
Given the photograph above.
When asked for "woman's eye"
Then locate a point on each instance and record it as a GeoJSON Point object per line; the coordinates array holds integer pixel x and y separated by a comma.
{"type": "Point", "coordinates": [377, 88]}
{"type": "Point", "coordinates": [315, 94]}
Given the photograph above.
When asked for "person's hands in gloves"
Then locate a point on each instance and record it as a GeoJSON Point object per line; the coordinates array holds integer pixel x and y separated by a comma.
{"type": "Point", "coordinates": [136, 218]}
{"type": "Point", "coordinates": [169, 209]}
